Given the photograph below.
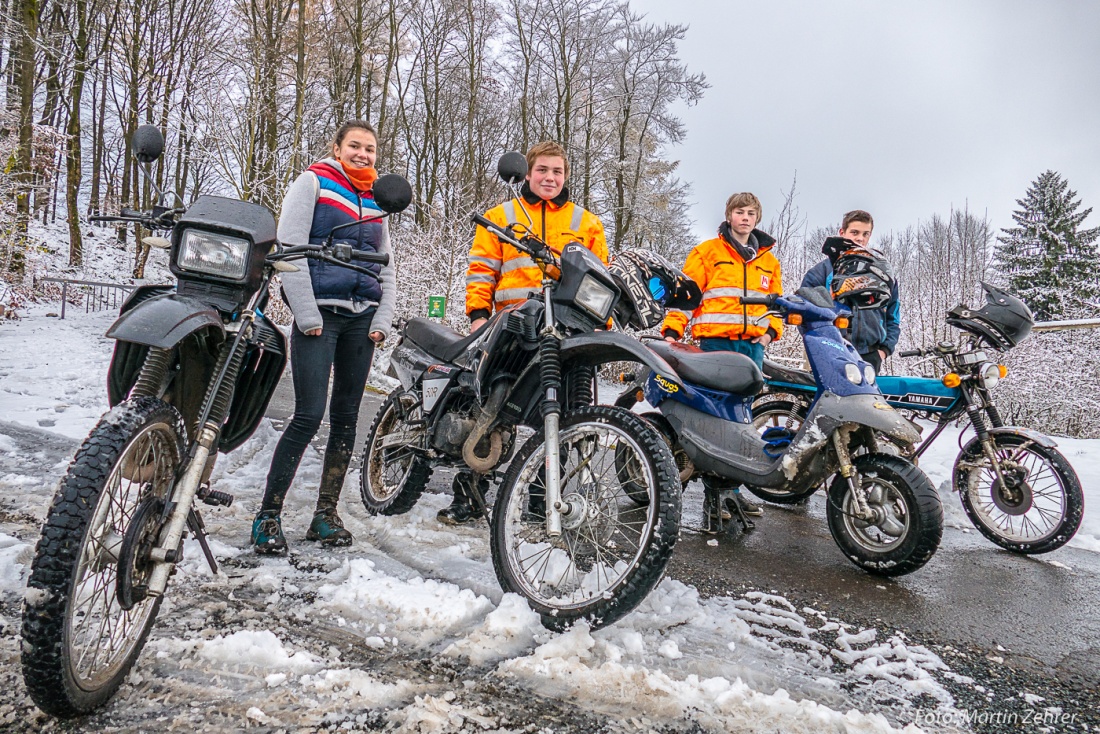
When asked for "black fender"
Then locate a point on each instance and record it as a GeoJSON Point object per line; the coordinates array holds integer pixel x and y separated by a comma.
{"type": "Point", "coordinates": [164, 321]}
{"type": "Point", "coordinates": [831, 411]}
{"type": "Point", "coordinates": [583, 350]}
{"type": "Point", "coordinates": [600, 347]}
{"type": "Point", "coordinates": [973, 447]}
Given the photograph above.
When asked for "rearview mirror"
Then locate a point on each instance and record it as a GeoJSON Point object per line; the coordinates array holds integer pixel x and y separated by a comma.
{"type": "Point", "coordinates": [147, 143]}
{"type": "Point", "coordinates": [512, 167]}
{"type": "Point", "coordinates": [392, 193]}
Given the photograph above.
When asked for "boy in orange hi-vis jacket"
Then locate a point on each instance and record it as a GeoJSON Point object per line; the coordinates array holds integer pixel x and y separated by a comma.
{"type": "Point", "coordinates": [738, 262]}
{"type": "Point", "coordinates": [499, 274]}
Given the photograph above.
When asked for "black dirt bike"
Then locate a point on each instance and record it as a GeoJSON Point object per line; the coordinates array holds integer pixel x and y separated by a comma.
{"type": "Point", "coordinates": [1015, 486]}
{"type": "Point", "coordinates": [564, 532]}
{"type": "Point", "coordinates": [194, 367]}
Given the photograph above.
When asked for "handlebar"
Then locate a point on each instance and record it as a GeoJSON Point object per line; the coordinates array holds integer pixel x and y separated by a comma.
{"type": "Point", "coordinates": [912, 353]}
{"type": "Point", "coordinates": [530, 245]}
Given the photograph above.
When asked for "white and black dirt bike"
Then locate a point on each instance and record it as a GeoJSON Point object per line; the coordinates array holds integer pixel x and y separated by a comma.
{"type": "Point", "coordinates": [194, 367]}
{"type": "Point", "coordinates": [564, 532]}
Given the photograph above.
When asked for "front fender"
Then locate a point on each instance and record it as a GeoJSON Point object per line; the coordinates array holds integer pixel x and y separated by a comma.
{"type": "Point", "coordinates": [164, 321]}
{"type": "Point", "coordinates": [974, 447]}
{"type": "Point", "coordinates": [601, 347]}
{"type": "Point", "coordinates": [831, 411]}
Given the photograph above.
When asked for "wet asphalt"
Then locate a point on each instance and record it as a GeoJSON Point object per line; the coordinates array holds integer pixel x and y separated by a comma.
{"type": "Point", "coordinates": [1037, 616]}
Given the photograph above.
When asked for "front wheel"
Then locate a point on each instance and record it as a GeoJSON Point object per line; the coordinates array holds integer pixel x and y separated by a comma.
{"type": "Point", "coordinates": [87, 611]}
{"type": "Point", "coordinates": [612, 549]}
{"type": "Point", "coordinates": [393, 477]}
{"type": "Point", "coordinates": [907, 522]}
{"type": "Point", "coordinates": [1037, 507]}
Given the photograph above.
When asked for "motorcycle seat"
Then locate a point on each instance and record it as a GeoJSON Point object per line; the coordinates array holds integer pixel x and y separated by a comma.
{"type": "Point", "coordinates": [778, 373]}
{"type": "Point", "coordinates": [438, 339]}
{"type": "Point", "coordinates": [726, 371]}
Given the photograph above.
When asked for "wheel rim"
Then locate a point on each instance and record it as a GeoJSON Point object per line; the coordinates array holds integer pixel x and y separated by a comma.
{"type": "Point", "coordinates": [782, 417]}
{"type": "Point", "coordinates": [891, 522]}
{"type": "Point", "coordinates": [1031, 483]}
{"type": "Point", "coordinates": [602, 541]}
{"type": "Point", "coordinates": [99, 633]}
{"type": "Point", "coordinates": [388, 468]}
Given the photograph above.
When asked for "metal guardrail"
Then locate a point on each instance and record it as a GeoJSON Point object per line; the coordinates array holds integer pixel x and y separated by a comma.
{"type": "Point", "coordinates": [1041, 326]}
{"type": "Point", "coordinates": [98, 295]}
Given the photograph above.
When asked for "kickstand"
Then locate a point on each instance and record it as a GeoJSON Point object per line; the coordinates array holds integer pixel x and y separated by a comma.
{"type": "Point", "coordinates": [194, 521]}
{"type": "Point", "coordinates": [728, 496]}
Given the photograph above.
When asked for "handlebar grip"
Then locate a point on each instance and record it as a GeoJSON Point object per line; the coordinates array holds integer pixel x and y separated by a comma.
{"type": "Point", "coordinates": [483, 221]}
{"type": "Point", "coordinates": [371, 257]}
{"type": "Point", "coordinates": [910, 353]}
{"type": "Point", "coordinates": [768, 300]}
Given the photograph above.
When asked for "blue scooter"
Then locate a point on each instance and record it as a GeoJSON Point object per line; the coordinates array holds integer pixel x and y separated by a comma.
{"type": "Point", "coordinates": [882, 510]}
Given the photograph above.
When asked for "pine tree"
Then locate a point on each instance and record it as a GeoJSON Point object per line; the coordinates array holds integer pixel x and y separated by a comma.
{"type": "Point", "coordinates": [1052, 264]}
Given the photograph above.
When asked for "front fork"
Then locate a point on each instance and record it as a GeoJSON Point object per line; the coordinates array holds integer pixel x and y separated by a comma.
{"type": "Point", "coordinates": [841, 438]}
{"type": "Point", "coordinates": [215, 409]}
{"type": "Point", "coordinates": [550, 375]}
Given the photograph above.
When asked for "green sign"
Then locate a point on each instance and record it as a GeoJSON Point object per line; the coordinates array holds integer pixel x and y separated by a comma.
{"type": "Point", "coordinates": [437, 306]}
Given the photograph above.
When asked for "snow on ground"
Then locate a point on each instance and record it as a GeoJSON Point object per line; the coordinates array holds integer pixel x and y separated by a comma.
{"type": "Point", "coordinates": [412, 586]}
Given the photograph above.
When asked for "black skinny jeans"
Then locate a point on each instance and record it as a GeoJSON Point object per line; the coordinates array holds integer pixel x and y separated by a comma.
{"type": "Point", "coordinates": [344, 349]}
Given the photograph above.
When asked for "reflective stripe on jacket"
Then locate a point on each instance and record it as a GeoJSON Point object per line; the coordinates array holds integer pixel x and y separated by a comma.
{"type": "Point", "coordinates": [724, 277]}
{"type": "Point", "coordinates": [499, 274]}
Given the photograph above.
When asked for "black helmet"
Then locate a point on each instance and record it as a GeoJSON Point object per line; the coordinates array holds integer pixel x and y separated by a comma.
{"type": "Point", "coordinates": [862, 279]}
{"type": "Point", "coordinates": [650, 284]}
{"type": "Point", "coordinates": [1003, 322]}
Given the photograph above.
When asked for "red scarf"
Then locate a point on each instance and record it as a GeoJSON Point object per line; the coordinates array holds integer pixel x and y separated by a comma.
{"type": "Point", "coordinates": [361, 178]}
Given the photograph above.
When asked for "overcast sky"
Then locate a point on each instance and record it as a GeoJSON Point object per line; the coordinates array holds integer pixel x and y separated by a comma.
{"type": "Point", "coordinates": [901, 108]}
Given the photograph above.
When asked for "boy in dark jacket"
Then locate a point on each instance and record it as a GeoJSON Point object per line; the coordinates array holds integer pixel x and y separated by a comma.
{"type": "Point", "coordinates": [873, 332]}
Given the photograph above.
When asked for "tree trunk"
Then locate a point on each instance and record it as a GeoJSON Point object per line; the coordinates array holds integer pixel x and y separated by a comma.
{"type": "Point", "coordinates": [24, 172]}
{"type": "Point", "coordinates": [73, 161]}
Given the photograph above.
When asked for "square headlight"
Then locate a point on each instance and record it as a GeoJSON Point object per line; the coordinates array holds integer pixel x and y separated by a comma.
{"type": "Point", "coordinates": [595, 297]}
{"type": "Point", "coordinates": [213, 253]}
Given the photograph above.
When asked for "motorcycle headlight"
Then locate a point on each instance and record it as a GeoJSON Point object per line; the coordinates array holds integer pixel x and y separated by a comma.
{"type": "Point", "coordinates": [990, 375]}
{"type": "Point", "coordinates": [595, 297]}
{"type": "Point", "coordinates": [851, 371]}
{"type": "Point", "coordinates": [869, 374]}
{"type": "Point", "coordinates": [213, 253]}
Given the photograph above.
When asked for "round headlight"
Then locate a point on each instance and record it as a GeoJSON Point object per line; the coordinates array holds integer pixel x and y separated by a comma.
{"type": "Point", "coordinates": [990, 375]}
{"type": "Point", "coordinates": [869, 374]}
{"type": "Point", "coordinates": [851, 371]}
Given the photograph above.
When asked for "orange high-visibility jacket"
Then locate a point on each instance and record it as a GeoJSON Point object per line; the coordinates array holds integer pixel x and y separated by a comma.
{"type": "Point", "coordinates": [499, 274]}
{"type": "Point", "coordinates": [724, 276]}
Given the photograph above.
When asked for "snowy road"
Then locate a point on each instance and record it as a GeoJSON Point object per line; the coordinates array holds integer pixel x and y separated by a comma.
{"type": "Point", "coordinates": [408, 630]}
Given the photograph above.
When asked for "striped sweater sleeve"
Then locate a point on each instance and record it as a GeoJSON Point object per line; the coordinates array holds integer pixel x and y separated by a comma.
{"type": "Point", "coordinates": [295, 221]}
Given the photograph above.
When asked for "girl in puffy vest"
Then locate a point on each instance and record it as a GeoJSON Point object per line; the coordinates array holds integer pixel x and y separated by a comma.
{"type": "Point", "coordinates": [339, 316]}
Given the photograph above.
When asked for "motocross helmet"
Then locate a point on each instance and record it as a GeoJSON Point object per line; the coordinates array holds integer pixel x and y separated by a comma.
{"type": "Point", "coordinates": [862, 278]}
{"type": "Point", "coordinates": [1002, 323]}
{"type": "Point", "coordinates": [650, 284]}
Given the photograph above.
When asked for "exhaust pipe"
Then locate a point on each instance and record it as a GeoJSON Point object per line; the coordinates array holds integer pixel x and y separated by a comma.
{"type": "Point", "coordinates": [485, 464]}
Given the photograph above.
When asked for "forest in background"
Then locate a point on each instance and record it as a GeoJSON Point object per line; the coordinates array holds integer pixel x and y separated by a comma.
{"type": "Point", "coordinates": [249, 92]}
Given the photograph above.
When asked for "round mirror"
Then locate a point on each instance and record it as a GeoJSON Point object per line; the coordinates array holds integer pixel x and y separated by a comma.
{"type": "Point", "coordinates": [392, 193]}
{"type": "Point", "coordinates": [512, 167]}
{"type": "Point", "coordinates": [147, 143]}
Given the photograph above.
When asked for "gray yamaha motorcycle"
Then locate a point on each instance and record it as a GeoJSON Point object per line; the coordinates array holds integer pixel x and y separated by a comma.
{"type": "Point", "coordinates": [194, 367]}
{"type": "Point", "coordinates": [565, 533]}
